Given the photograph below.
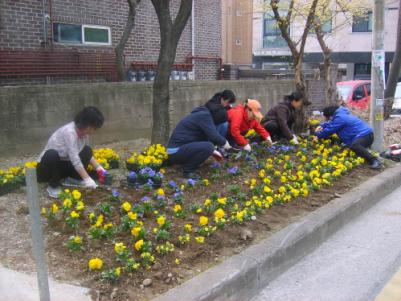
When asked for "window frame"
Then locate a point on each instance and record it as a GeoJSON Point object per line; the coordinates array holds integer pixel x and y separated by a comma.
{"type": "Point", "coordinates": [83, 42]}
{"type": "Point", "coordinates": [277, 32]}
{"type": "Point", "coordinates": [359, 19]}
{"type": "Point", "coordinates": [83, 26]}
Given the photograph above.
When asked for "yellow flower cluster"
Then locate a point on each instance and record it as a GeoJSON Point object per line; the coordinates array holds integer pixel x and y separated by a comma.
{"type": "Point", "coordinates": [251, 133]}
{"type": "Point", "coordinates": [105, 157]}
{"type": "Point", "coordinates": [95, 263]}
{"type": "Point", "coordinates": [154, 155]}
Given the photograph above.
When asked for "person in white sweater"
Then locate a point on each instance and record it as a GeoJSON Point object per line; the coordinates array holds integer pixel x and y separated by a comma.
{"type": "Point", "coordinates": [68, 154]}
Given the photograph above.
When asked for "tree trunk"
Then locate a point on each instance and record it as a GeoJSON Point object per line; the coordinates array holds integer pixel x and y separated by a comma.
{"type": "Point", "coordinates": [161, 96]}
{"type": "Point", "coordinates": [297, 54]}
{"type": "Point", "coordinates": [394, 71]}
{"type": "Point", "coordinates": [170, 33]}
{"type": "Point", "coordinates": [119, 50]}
{"type": "Point", "coordinates": [327, 66]}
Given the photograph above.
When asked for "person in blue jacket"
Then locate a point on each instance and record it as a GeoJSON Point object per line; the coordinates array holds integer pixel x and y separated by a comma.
{"type": "Point", "coordinates": [193, 140]}
{"type": "Point", "coordinates": [353, 132]}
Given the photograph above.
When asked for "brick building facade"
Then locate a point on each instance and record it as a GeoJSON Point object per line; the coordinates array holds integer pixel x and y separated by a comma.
{"type": "Point", "coordinates": [44, 27]}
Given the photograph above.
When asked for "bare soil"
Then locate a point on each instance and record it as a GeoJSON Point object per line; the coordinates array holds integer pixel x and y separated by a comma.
{"type": "Point", "coordinates": [64, 265]}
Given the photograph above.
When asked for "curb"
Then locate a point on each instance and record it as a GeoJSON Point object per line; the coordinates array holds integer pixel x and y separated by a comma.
{"type": "Point", "coordinates": [243, 275]}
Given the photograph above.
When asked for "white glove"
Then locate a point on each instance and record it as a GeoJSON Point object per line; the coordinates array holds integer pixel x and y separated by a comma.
{"type": "Point", "coordinates": [269, 141]}
{"type": "Point", "coordinates": [89, 183]}
{"type": "Point", "coordinates": [295, 140]}
{"type": "Point", "coordinates": [247, 148]}
{"type": "Point", "coordinates": [100, 168]}
{"type": "Point", "coordinates": [227, 146]}
{"type": "Point", "coordinates": [318, 129]}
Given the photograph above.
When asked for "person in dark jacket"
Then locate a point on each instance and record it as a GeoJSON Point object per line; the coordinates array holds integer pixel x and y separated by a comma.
{"type": "Point", "coordinates": [352, 131]}
{"type": "Point", "coordinates": [279, 119]}
{"type": "Point", "coordinates": [219, 104]}
{"type": "Point", "coordinates": [193, 140]}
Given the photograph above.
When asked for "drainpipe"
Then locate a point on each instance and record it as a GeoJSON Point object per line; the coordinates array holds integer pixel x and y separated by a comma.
{"type": "Point", "coordinates": [44, 23]}
{"type": "Point", "coordinates": [51, 21]}
{"type": "Point", "coordinates": [193, 37]}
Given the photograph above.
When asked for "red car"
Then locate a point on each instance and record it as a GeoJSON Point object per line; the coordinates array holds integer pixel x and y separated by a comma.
{"type": "Point", "coordinates": [356, 93]}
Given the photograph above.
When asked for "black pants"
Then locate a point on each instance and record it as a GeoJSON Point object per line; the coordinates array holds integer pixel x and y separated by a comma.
{"type": "Point", "coordinates": [52, 169]}
{"type": "Point", "coordinates": [191, 155]}
{"type": "Point", "coordinates": [273, 128]}
{"type": "Point", "coordinates": [359, 147]}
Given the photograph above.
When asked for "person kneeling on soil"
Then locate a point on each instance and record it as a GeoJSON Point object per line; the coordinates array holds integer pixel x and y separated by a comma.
{"type": "Point", "coordinates": [241, 119]}
{"type": "Point", "coordinates": [67, 153]}
{"type": "Point", "coordinates": [279, 120]}
{"type": "Point", "coordinates": [353, 132]}
{"type": "Point", "coordinates": [193, 140]}
{"type": "Point", "coordinates": [219, 104]}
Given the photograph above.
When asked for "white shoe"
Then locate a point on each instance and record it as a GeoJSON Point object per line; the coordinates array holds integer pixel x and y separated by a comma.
{"type": "Point", "coordinates": [71, 182]}
{"type": "Point", "coordinates": [53, 192]}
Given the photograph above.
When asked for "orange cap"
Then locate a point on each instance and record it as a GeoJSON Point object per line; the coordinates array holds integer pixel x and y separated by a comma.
{"type": "Point", "coordinates": [255, 107]}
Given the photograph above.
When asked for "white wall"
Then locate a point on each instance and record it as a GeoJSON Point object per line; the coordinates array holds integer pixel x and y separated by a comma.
{"type": "Point", "coordinates": [341, 40]}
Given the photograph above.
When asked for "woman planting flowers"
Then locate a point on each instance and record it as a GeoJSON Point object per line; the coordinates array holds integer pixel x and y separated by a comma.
{"type": "Point", "coordinates": [241, 119]}
{"type": "Point", "coordinates": [354, 132]}
{"type": "Point", "coordinates": [67, 152]}
{"type": "Point", "coordinates": [194, 139]}
{"type": "Point", "coordinates": [278, 121]}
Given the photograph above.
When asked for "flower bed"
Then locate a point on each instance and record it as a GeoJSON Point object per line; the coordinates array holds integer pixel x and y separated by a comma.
{"type": "Point", "coordinates": [13, 177]}
{"type": "Point", "coordinates": [127, 235]}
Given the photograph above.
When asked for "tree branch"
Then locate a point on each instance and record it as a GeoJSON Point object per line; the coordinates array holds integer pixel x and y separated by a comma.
{"type": "Point", "coordinates": [283, 26]}
{"type": "Point", "coordinates": [183, 15]}
{"type": "Point", "coordinates": [309, 21]}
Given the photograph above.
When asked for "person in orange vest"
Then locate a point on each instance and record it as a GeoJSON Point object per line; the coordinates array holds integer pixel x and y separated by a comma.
{"type": "Point", "coordinates": [241, 119]}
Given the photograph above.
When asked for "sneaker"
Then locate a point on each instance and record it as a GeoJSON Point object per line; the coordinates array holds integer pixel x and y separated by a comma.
{"type": "Point", "coordinates": [53, 191]}
{"type": "Point", "coordinates": [71, 182]}
{"type": "Point", "coordinates": [376, 164]}
{"type": "Point", "coordinates": [191, 175]}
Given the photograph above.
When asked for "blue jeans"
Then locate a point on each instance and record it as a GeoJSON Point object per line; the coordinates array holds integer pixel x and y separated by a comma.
{"type": "Point", "coordinates": [191, 155]}
{"type": "Point", "coordinates": [222, 128]}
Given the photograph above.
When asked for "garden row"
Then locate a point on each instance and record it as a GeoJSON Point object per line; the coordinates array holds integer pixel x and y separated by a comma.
{"type": "Point", "coordinates": [126, 232]}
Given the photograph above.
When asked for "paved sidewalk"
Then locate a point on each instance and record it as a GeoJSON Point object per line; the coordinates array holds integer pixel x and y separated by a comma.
{"type": "Point", "coordinates": [392, 290]}
{"type": "Point", "coordinates": [354, 264]}
{"type": "Point", "coordinates": [16, 286]}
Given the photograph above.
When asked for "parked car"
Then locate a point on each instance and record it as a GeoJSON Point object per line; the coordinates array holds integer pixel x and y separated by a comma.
{"type": "Point", "coordinates": [356, 93]}
{"type": "Point", "coordinates": [397, 99]}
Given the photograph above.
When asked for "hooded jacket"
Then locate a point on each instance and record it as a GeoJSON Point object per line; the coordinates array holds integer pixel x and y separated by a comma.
{"type": "Point", "coordinates": [239, 125]}
{"type": "Point", "coordinates": [347, 126]}
{"type": "Point", "coordinates": [218, 111]}
{"type": "Point", "coordinates": [283, 114]}
{"type": "Point", "coordinates": [195, 127]}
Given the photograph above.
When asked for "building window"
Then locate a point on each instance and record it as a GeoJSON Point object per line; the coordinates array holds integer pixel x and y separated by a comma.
{"type": "Point", "coordinates": [362, 71]}
{"type": "Point", "coordinates": [362, 24]}
{"type": "Point", "coordinates": [326, 27]}
{"type": "Point", "coordinates": [271, 33]}
{"type": "Point", "coordinates": [238, 42]}
{"type": "Point", "coordinates": [81, 34]}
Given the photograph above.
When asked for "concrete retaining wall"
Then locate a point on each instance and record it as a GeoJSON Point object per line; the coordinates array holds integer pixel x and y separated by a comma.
{"type": "Point", "coordinates": [28, 115]}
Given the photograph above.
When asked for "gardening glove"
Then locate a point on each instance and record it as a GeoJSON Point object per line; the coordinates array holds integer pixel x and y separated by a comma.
{"type": "Point", "coordinates": [269, 141]}
{"type": "Point", "coordinates": [89, 183]}
{"type": "Point", "coordinates": [227, 146]}
{"type": "Point", "coordinates": [99, 169]}
{"type": "Point", "coordinates": [247, 148]}
{"type": "Point", "coordinates": [319, 129]}
{"type": "Point", "coordinates": [295, 140]}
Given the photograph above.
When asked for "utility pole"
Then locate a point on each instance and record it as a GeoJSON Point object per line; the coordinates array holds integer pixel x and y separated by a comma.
{"type": "Point", "coordinates": [378, 60]}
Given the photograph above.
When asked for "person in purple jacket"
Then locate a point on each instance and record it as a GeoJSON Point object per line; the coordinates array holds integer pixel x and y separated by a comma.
{"type": "Point", "coordinates": [352, 131]}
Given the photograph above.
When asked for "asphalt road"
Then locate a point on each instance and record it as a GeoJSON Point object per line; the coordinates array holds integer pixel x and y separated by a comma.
{"type": "Point", "coordinates": [354, 264]}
